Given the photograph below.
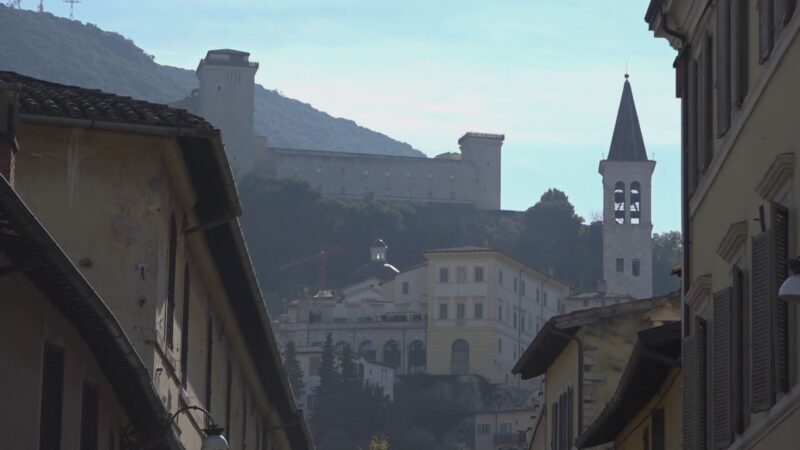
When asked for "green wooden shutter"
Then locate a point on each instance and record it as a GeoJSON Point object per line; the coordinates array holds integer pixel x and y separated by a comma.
{"type": "Point", "coordinates": [765, 29]}
{"type": "Point", "coordinates": [722, 357]}
{"type": "Point", "coordinates": [691, 412]}
{"type": "Point", "coordinates": [659, 436]}
{"type": "Point", "coordinates": [739, 337]}
{"type": "Point", "coordinates": [739, 51]}
{"type": "Point", "coordinates": [780, 236]}
{"type": "Point", "coordinates": [691, 127]}
{"type": "Point", "coordinates": [89, 416]}
{"type": "Point", "coordinates": [706, 147]}
{"type": "Point", "coordinates": [723, 67]}
{"type": "Point", "coordinates": [762, 394]}
{"type": "Point", "coordinates": [52, 398]}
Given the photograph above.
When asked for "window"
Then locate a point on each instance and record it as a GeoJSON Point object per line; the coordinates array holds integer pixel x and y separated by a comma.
{"type": "Point", "coordinates": [522, 322]}
{"type": "Point", "coordinates": [405, 287]}
{"type": "Point", "coordinates": [386, 192]}
{"type": "Point", "coordinates": [484, 429]}
{"type": "Point", "coordinates": [341, 345]}
{"type": "Point", "coordinates": [209, 360]}
{"type": "Point", "coordinates": [313, 365]}
{"type": "Point", "coordinates": [452, 177]}
{"type": "Point", "coordinates": [443, 311]}
{"type": "Point", "coordinates": [310, 402]}
{"type": "Point", "coordinates": [479, 274]}
{"type": "Point", "coordinates": [635, 269]}
{"type": "Point", "coordinates": [444, 274]}
{"type": "Point", "coordinates": [562, 430]}
{"type": "Point", "coordinates": [500, 313]}
{"type": "Point", "coordinates": [522, 287]}
{"type": "Point", "coordinates": [416, 357]}
{"type": "Point", "coordinates": [505, 428]}
{"type": "Point", "coordinates": [408, 174]}
{"type": "Point", "coordinates": [515, 320]}
{"type": "Point", "coordinates": [620, 265]}
{"type": "Point", "coordinates": [319, 169]}
{"type": "Point", "coordinates": [89, 405]}
{"type": "Point", "coordinates": [366, 172]}
{"type": "Point", "coordinates": [585, 303]}
{"type": "Point", "coordinates": [459, 358]}
{"type": "Point", "coordinates": [544, 300]}
{"type": "Point", "coordinates": [52, 398]}
{"type": "Point", "coordinates": [766, 29]}
{"type": "Point", "coordinates": [500, 277]}
{"type": "Point", "coordinates": [368, 350]}
{"type": "Point", "coordinates": [461, 274]}
{"type": "Point", "coordinates": [391, 354]}
{"type": "Point", "coordinates": [461, 311]}
{"type": "Point", "coordinates": [515, 284]}
{"type": "Point", "coordinates": [636, 197]}
{"type": "Point", "coordinates": [537, 295]}
{"type": "Point", "coordinates": [387, 173]}
{"type": "Point", "coordinates": [500, 345]}
{"type": "Point", "coordinates": [619, 202]}
{"type": "Point", "coordinates": [172, 255]}
{"type": "Point", "coordinates": [185, 327]}
{"type": "Point", "coordinates": [430, 194]}
{"type": "Point", "coordinates": [452, 195]}
{"type": "Point", "coordinates": [478, 310]}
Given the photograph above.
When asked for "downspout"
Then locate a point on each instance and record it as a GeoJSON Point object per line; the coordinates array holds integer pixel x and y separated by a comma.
{"type": "Point", "coordinates": [580, 375]}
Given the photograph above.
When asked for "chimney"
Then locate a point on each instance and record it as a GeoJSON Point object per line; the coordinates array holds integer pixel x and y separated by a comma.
{"type": "Point", "coordinates": [9, 93]}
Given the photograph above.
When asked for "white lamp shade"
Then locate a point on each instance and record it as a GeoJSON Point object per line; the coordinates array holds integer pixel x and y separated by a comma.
{"type": "Point", "coordinates": [214, 442]}
{"type": "Point", "coordinates": [790, 289]}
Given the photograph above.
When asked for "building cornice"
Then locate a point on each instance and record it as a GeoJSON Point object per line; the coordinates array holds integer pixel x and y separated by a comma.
{"type": "Point", "coordinates": [733, 241]}
{"type": "Point", "coordinates": [700, 290]}
{"type": "Point", "coordinates": [778, 175]}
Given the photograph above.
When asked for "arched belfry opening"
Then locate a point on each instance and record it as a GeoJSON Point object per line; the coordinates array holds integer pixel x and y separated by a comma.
{"type": "Point", "coordinates": [619, 202]}
{"type": "Point", "coordinates": [636, 200]}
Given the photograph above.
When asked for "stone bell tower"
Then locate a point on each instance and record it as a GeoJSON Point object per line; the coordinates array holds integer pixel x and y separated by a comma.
{"type": "Point", "coordinates": [627, 207]}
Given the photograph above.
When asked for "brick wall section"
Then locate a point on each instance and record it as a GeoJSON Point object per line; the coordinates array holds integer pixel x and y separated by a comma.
{"type": "Point", "coordinates": [8, 140]}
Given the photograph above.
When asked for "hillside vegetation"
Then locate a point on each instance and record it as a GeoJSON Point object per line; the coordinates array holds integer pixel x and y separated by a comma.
{"type": "Point", "coordinates": [66, 51]}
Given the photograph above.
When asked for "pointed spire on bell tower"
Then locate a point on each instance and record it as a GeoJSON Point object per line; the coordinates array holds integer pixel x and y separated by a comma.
{"type": "Point", "coordinates": [627, 143]}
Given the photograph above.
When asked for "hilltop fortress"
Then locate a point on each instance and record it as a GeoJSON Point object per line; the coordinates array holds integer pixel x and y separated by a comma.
{"type": "Point", "coordinates": [225, 97]}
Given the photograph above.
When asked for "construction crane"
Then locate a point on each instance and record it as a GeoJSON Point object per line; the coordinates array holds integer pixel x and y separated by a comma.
{"type": "Point", "coordinates": [320, 258]}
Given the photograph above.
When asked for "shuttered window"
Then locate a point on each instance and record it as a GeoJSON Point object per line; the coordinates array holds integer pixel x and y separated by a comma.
{"type": "Point", "coordinates": [765, 29]}
{"type": "Point", "coordinates": [89, 405]}
{"type": "Point", "coordinates": [52, 398]}
{"type": "Point", "coordinates": [691, 127]}
{"type": "Point", "coordinates": [739, 362]}
{"type": "Point", "coordinates": [723, 67]}
{"type": "Point", "coordinates": [705, 144]}
{"type": "Point", "coordinates": [173, 249]}
{"type": "Point", "coordinates": [722, 369]}
{"type": "Point", "coordinates": [761, 316]}
{"type": "Point", "coordinates": [780, 236]}
{"type": "Point", "coordinates": [554, 427]}
{"type": "Point", "coordinates": [209, 360]}
{"type": "Point", "coordinates": [185, 327]}
{"type": "Point", "coordinates": [694, 389]}
{"type": "Point", "coordinates": [659, 437]}
{"type": "Point", "coordinates": [739, 51]}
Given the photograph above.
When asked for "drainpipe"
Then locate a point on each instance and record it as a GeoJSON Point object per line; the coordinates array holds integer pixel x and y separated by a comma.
{"type": "Point", "coordinates": [580, 375]}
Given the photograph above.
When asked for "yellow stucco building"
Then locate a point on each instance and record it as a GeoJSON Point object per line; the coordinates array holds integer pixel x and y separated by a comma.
{"type": "Point", "coordinates": [141, 199]}
{"type": "Point", "coordinates": [737, 71]}
{"type": "Point", "coordinates": [582, 356]}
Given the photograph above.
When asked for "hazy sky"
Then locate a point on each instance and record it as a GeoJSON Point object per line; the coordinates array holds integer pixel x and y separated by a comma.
{"type": "Point", "coordinates": [546, 73]}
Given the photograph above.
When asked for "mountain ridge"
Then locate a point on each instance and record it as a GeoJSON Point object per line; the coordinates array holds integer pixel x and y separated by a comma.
{"type": "Point", "coordinates": [66, 51]}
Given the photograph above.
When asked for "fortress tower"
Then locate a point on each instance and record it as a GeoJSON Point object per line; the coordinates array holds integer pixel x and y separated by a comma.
{"type": "Point", "coordinates": [226, 99]}
{"type": "Point", "coordinates": [483, 151]}
{"type": "Point", "coordinates": [627, 225]}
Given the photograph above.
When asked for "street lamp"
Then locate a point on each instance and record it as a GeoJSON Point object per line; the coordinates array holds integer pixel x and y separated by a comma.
{"type": "Point", "coordinates": [790, 289]}
{"type": "Point", "coordinates": [213, 440]}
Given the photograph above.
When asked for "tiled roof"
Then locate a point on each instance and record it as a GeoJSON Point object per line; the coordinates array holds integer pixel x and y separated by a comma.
{"type": "Point", "coordinates": [43, 98]}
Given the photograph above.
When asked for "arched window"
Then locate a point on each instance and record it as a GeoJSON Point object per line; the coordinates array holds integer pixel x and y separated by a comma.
{"type": "Point", "coordinates": [619, 202]}
{"type": "Point", "coordinates": [459, 358]}
{"type": "Point", "coordinates": [171, 257]}
{"type": "Point", "coordinates": [368, 350]}
{"type": "Point", "coordinates": [391, 354]}
{"type": "Point", "coordinates": [636, 198]}
{"type": "Point", "coordinates": [416, 357]}
{"type": "Point", "coordinates": [341, 345]}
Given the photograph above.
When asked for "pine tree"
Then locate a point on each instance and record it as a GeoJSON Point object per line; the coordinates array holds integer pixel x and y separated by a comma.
{"type": "Point", "coordinates": [294, 371]}
{"type": "Point", "coordinates": [325, 416]}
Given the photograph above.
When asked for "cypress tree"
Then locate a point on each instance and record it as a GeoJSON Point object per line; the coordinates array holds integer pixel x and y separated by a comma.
{"type": "Point", "coordinates": [294, 371]}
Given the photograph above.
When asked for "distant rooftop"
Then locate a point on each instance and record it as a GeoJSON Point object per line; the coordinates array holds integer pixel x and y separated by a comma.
{"type": "Point", "coordinates": [499, 137]}
{"type": "Point", "coordinates": [227, 57]}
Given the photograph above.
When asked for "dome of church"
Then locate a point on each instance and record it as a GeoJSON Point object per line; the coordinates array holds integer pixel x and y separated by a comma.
{"type": "Point", "coordinates": [374, 269]}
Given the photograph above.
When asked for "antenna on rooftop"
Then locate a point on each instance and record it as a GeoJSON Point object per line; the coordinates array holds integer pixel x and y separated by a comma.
{"type": "Point", "coordinates": [71, 6]}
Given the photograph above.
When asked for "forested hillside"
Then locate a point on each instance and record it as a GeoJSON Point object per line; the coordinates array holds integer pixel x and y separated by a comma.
{"type": "Point", "coordinates": [287, 220]}
{"type": "Point", "coordinates": [66, 51]}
